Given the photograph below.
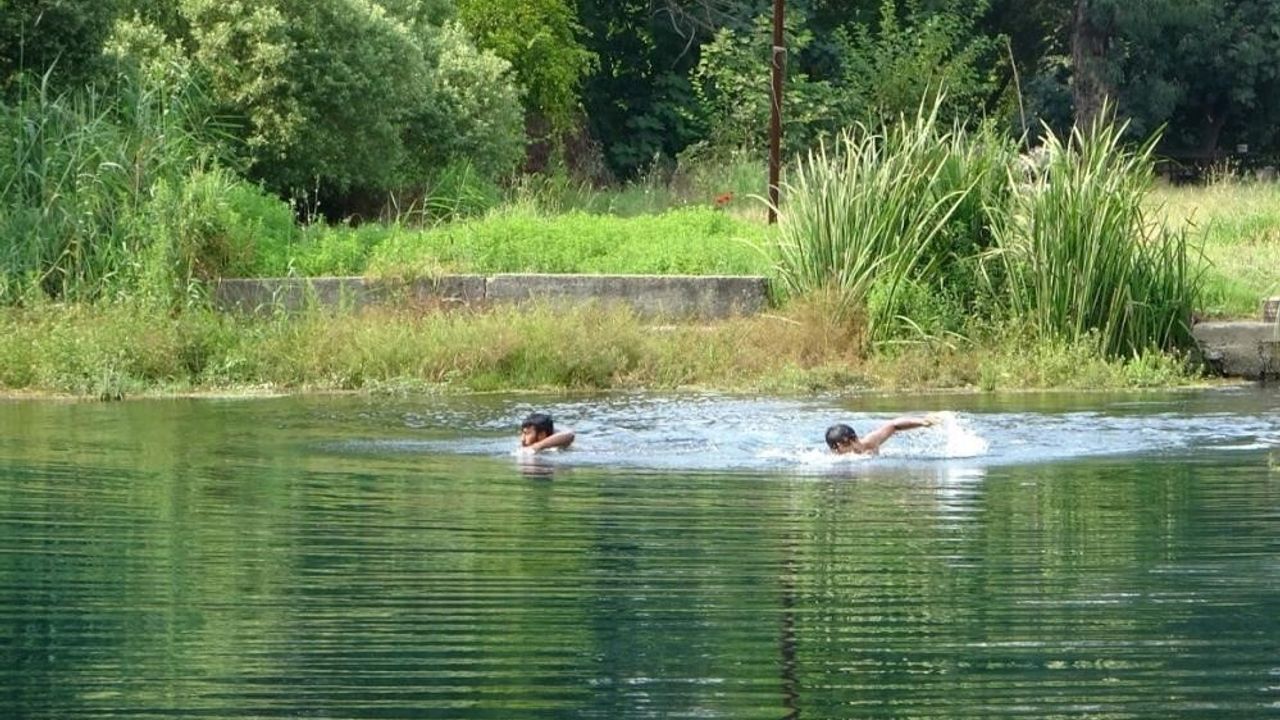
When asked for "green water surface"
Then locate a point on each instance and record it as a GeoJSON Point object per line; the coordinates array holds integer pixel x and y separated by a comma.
{"type": "Point", "coordinates": [245, 559]}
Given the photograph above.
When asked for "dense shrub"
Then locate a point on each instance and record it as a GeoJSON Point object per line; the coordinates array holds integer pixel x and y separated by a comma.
{"type": "Point", "coordinates": [470, 111]}
{"type": "Point", "coordinates": [207, 225]}
{"type": "Point", "coordinates": [341, 101]}
{"type": "Point", "coordinates": [540, 38]}
{"type": "Point", "coordinates": [60, 37]}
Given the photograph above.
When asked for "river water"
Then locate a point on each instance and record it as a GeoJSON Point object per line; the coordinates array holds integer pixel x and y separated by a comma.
{"type": "Point", "coordinates": [1055, 556]}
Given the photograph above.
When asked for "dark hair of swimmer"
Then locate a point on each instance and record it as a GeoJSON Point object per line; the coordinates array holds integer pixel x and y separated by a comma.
{"type": "Point", "coordinates": [540, 422]}
{"type": "Point", "coordinates": [840, 434]}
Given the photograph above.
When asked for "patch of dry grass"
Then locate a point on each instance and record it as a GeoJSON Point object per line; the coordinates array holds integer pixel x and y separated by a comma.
{"type": "Point", "coordinates": [111, 351]}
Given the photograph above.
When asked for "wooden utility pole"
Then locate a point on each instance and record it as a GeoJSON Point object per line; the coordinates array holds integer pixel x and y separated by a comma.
{"type": "Point", "coordinates": [1090, 45]}
{"type": "Point", "coordinates": [775, 121]}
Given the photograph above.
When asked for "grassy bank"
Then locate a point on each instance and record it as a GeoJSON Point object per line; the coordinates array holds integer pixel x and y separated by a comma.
{"type": "Point", "coordinates": [117, 350]}
{"type": "Point", "coordinates": [913, 255]}
{"type": "Point", "coordinates": [525, 238]}
{"type": "Point", "coordinates": [1237, 224]}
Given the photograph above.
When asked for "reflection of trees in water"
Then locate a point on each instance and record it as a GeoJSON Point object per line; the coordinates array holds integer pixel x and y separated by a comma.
{"type": "Point", "coordinates": [918, 600]}
{"type": "Point", "coordinates": [225, 566]}
{"type": "Point", "coordinates": [787, 632]}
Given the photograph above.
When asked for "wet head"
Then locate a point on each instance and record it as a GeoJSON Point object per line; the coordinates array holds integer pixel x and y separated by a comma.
{"type": "Point", "coordinates": [536, 427]}
{"type": "Point", "coordinates": [842, 439]}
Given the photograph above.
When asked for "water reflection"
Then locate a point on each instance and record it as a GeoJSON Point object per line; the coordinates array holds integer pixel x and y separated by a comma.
{"type": "Point", "coordinates": [329, 558]}
{"type": "Point", "coordinates": [535, 466]}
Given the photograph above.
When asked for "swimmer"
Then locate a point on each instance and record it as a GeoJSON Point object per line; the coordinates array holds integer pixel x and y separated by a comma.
{"type": "Point", "coordinates": [844, 441]}
{"type": "Point", "coordinates": [537, 432]}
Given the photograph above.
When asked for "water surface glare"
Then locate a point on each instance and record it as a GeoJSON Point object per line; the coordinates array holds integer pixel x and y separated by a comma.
{"type": "Point", "coordinates": [1093, 556]}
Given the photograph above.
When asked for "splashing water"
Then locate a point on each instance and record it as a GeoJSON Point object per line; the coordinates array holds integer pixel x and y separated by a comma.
{"type": "Point", "coordinates": [697, 432]}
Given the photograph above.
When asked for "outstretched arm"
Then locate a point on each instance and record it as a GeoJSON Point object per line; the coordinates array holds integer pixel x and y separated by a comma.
{"type": "Point", "coordinates": [562, 439]}
{"type": "Point", "coordinates": [872, 441]}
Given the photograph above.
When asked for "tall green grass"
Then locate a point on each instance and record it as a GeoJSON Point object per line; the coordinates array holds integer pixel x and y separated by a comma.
{"type": "Point", "coordinates": [1078, 253]}
{"type": "Point", "coordinates": [119, 191]}
{"type": "Point", "coordinates": [917, 228]}
{"type": "Point", "coordinates": [882, 218]}
{"type": "Point", "coordinates": [1237, 221]}
{"type": "Point", "coordinates": [75, 171]}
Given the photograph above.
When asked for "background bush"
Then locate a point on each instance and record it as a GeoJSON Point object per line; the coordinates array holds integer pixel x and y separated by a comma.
{"type": "Point", "coordinates": [340, 103]}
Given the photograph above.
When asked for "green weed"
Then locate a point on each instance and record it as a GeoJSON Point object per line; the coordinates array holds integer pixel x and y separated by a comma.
{"type": "Point", "coordinates": [698, 241]}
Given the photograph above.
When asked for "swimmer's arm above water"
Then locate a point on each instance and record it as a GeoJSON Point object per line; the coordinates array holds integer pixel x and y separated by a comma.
{"type": "Point", "coordinates": [562, 439]}
{"type": "Point", "coordinates": [872, 441]}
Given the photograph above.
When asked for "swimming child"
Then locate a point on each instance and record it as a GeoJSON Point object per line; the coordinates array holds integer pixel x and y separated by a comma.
{"type": "Point", "coordinates": [538, 432]}
{"type": "Point", "coordinates": [843, 440]}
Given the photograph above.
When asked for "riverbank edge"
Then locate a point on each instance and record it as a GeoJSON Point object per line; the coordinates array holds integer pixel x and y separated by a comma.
{"type": "Point", "coordinates": [1230, 347]}
{"type": "Point", "coordinates": [113, 351]}
{"type": "Point", "coordinates": [250, 393]}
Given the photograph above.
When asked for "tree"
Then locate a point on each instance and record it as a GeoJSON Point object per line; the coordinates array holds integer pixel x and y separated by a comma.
{"type": "Point", "coordinates": [540, 38]}
{"type": "Point", "coordinates": [352, 99]}
{"type": "Point", "coordinates": [732, 79]}
{"type": "Point", "coordinates": [914, 56]}
{"type": "Point", "coordinates": [62, 36]}
{"type": "Point", "coordinates": [640, 103]}
{"type": "Point", "coordinates": [1092, 28]}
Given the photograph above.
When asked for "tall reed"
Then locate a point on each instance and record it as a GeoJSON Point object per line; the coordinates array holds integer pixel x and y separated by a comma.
{"type": "Point", "coordinates": [1077, 255]}
{"type": "Point", "coordinates": [882, 211]}
{"type": "Point", "coordinates": [74, 171]}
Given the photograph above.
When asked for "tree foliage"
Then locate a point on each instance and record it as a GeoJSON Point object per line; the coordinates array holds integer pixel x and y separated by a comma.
{"type": "Point", "coordinates": [640, 102]}
{"type": "Point", "coordinates": [351, 98]}
{"type": "Point", "coordinates": [62, 36]}
{"type": "Point", "coordinates": [363, 98]}
{"type": "Point", "coordinates": [542, 41]}
{"type": "Point", "coordinates": [733, 70]}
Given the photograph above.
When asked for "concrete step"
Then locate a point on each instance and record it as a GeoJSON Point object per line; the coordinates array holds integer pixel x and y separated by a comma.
{"type": "Point", "coordinates": [1249, 350]}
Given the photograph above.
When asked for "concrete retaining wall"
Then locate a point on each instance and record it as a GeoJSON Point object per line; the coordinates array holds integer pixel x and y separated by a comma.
{"type": "Point", "coordinates": [648, 295]}
{"type": "Point", "coordinates": [292, 294]}
{"type": "Point", "coordinates": [1249, 350]}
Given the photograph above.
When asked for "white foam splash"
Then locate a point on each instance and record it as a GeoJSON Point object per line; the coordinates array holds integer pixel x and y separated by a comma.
{"type": "Point", "coordinates": [961, 442]}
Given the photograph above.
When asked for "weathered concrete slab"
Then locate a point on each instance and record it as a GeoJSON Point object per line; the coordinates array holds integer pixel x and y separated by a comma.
{"type": "Point", "coordinates": [293, 294]}
{"type": "Point", "coordinates": [1270, 308]}
{"type": "Point", "coordinates": [289, 294]}
{"type": "Point", "coordinates": [446, 289]}
{"type": "Point", "coordinates": [1249, 350]}
{"type": "Point", "coordinates": [649, 295]}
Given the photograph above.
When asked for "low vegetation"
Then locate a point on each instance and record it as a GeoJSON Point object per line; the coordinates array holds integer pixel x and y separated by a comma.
{"type": "Point", "coordinates": [522, 238]}
{"type": "Point", "coordinates": [918, 254]}
{"type": "Point", "coordinates": [1236, 222]}
{"type": "Point", "coordinates": [112, 350]}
